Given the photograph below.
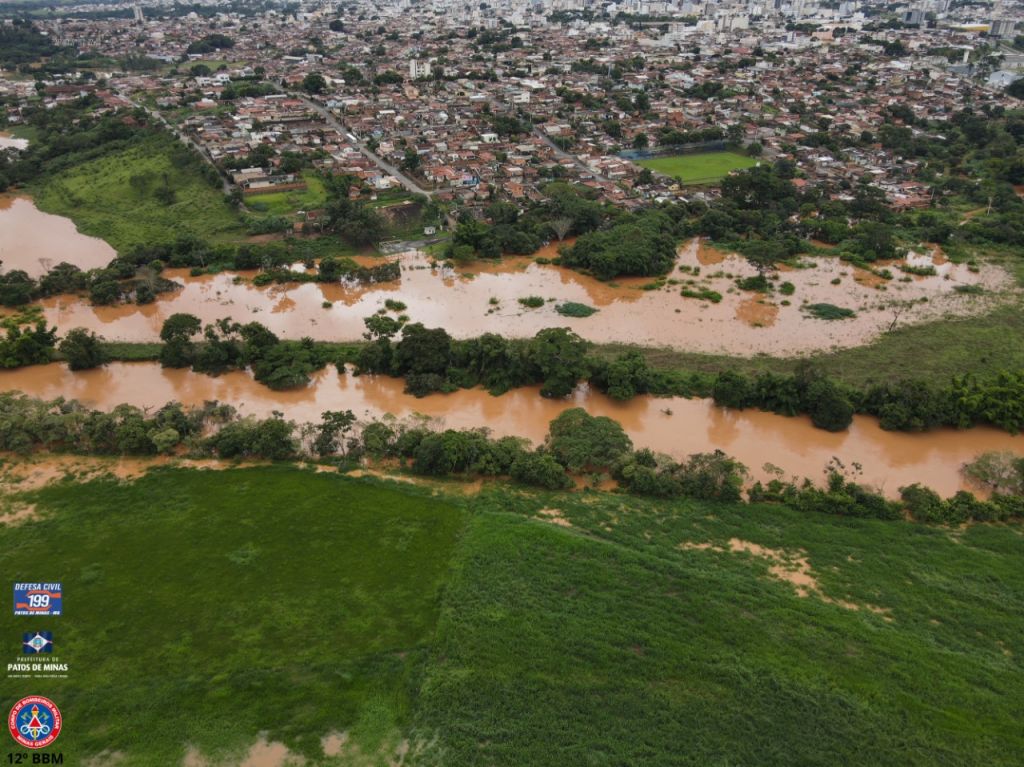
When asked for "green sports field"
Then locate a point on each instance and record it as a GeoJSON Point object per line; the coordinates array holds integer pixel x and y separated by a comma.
{"type": "Point", "coordinates": [207, 609]}
{"type": "Point", "coordinates": [706, 167]}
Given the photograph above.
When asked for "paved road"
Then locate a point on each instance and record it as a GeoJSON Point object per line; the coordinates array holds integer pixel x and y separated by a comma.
{"type": "Point", "coordinates": [387, 167]}
{"type": "Point", "coordinates": [560, 153]}
{"type": "Point", "coordinates": [563, 155]}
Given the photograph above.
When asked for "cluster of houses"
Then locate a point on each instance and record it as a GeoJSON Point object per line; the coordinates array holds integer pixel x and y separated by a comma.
{"type": "Point", "coordinates": [474, 113]}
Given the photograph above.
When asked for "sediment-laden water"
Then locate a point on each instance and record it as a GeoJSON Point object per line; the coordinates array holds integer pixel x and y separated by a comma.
{"type": "Point", "coordinates": [674, 425]}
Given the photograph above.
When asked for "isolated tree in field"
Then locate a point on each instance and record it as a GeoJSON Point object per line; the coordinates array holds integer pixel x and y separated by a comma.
{"type": "Point", "coordinates": [898, 309]}
{"type": "Point", "coordinates": [561, 227]}
{"type": "Point", "coordinates": [83, 349]}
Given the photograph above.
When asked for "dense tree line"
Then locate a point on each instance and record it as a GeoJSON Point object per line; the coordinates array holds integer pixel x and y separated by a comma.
{"type": "Point", "coordinates": [557, 360]}
{"type": "Point", "coordinates": [26, 341]}
{"type": "Point", "coordinates": [567, 210]}
{"type": "Point", "coordinates": [576, 443]}
{"type": "Point", "coordinates": [136, 276]}
{"type": "Point", "coordinates": [121, 280]}
{"type": "Point", "coordinates": [227, 345]}
{"type": "Point", "coordinates": [907, 405]}
{"type": "Point", "coordinates": [431, 360]}
{"type": "Point", "coordinates": [22, 43]}
{"type": "Point", "coordinates": [67, 135]}
{"type": "Point", "coordinates": [210, 43]}
{"type": "Point", "coordinates": [641, 244]}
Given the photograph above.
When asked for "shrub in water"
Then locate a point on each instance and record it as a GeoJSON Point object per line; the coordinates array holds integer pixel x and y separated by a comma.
{"type": "Point", "coordinates": [574, 309]}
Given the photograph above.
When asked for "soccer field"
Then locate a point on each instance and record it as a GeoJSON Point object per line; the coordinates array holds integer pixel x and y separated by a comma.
{"type": "Point", "coordinates": [698, 168]}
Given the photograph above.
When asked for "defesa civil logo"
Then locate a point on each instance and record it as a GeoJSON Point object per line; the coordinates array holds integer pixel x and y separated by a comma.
{"type": "Point", "coordinates": [38, 599]}
{"type": "Point", "coordinates": [34, 722]}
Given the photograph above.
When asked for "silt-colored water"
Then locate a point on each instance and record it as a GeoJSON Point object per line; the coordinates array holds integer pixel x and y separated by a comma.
{"type": "Point", "coordinates": [675, 425]}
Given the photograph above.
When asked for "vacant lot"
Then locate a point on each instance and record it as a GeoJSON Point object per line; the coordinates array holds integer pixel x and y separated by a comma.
{"type": "Point", "coordinates": [698, 168]}
{"type": "Point", "coordinates": [515, 628]}
{"type": "Point", "coordinates": [121, 197]}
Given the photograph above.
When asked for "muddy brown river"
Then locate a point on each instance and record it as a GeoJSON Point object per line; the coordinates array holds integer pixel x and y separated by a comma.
{"type": "Point", "coordinates": [676, 426]}
{"type": "Point", "coordinates": [34, 241]}
{"type": "Point", "coordinates": [484, 298]}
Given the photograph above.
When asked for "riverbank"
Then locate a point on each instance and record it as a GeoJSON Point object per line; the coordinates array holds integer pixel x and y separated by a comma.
{"type": "Point", "coordinates": [485, 297]}
{"type": "Point", "coordinates": [672, 425]}
{"type": "Point", "coordinates": [952, 333]}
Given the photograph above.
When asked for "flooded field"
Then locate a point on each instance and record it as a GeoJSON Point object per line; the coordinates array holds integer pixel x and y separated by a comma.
{"type": "Point", "coordinates": [9, 141]}
{"type": "Point", "coordinates": [484, 298]}
{"type": "Point", "coordinates": [34, 241]}
{"type": "Point", "coordinates": [676, 426]}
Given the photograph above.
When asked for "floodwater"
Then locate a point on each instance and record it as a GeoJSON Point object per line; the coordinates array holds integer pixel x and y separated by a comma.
{"type": "Point", "coordinates": [483, 298]}
{"type": "Point", "coordinates": [9, 141]}
{"type": "Point", "coordinates": [34, 241]}
{"type": "Point", "coordinates": [676, 426]}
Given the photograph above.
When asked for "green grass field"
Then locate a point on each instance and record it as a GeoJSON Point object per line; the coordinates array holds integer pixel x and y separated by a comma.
{"type": "Point", "coordinates": [933, 351]}
{"type": "Point", "coordinates": [204, 608]}
{"type": "Point", "coordinates": [22, 131]}
{"type": "Point", "coordinates": [99, 198]}
{"type": "Point", "coordinates": [706, 167]}
{"type": "Point", "coordinates": [208, 607]}
{"type": "Point", "coordinates": [287, 203]}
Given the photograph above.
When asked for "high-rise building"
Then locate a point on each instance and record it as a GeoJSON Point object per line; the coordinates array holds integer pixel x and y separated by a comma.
{"type": "Point", "coordinates": [913, 17]}
{"type": "Point", "coordinates": [1002, 28]}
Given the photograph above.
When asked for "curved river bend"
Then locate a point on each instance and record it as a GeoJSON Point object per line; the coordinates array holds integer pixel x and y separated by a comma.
{"type": "Point", "coordinates": [676, 426]}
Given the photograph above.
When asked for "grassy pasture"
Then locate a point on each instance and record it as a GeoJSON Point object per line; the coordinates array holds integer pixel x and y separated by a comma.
{"type": "Point", "coordinates": [99, 197]}
{"type": "Point", "coordinates": [207, 607]}
{"type": "Point", "coordinates": [515, 628]}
